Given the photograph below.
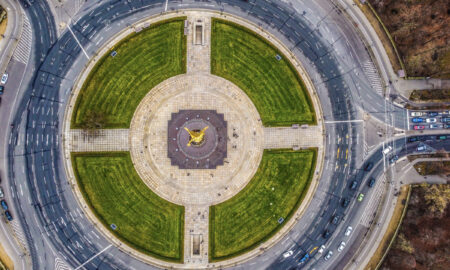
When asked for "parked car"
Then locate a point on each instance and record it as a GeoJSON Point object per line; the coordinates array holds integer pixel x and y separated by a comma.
{"type": "Point", "coordinates": [1, 193]}
{"type": "Point", "coordinates": [288, 253]}
{"type": "Point", "coordinates": [348, 231]}
{"type": "Point", "coordinates": [442, 137]}
{"type": "Point", "coordinates": [447, 126]}
{"type": "Point", "coordinates": [4, 78]}
{"type": "Point", "coordinates": [354, 184]}
{"type": "Point", "coordinates": [368, 167]}
{"type": "Point", "coordinates": [445, 119]}
{"type": "Point", "coordinates": [326, 234]}
{"type": "Point", "coordinates": [335, 219]}
{"type": "Point", "coordinates": [417, 120]}
{"type": "Point", "coordinates": [413, 139]}
{"type": "Point", "coordinates": [419, 127]}
{"type": "Point", "coordinates": [360, 197]}
{"type": "Point", "coordinates": [393, 159]}
{"type": "Point", "coordinates": [341, 246]}
{"type": "Point", "coordinates": [8, 216]}
{"type": "Point", "coordinates": [321, 249]}
{"type": "Point", "coordinates": [433, 113]}
{"type": "Point", "coordinates": [417, 113]}
{"type": "Point", "coordinates": [431, 120]}
{"type": "Point", "coordinates": [345, 202]}
{"type": "Point", "coordinates": [371, 182]}
{"type": "Point", "coordinates": [433, 126]}
{"type": "Point", "coordinates": [2, 89]}
{"type": "Point", "coordinates": [328, 256]}
{"type": "Point", "coordinates": [4, 205]}
{"type": "Point", "coordinates": [421, 148]}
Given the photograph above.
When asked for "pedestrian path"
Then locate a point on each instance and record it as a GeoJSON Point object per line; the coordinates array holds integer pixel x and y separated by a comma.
{"type": "Point", "coordinates": [373, 76]}
{"type": "Point", "coordinates": [373, 203]}
{"type": "Point", "coordinates": [23, 49]}
{"type": "Point", "coordinates": [196, 235]}
{"type": "Point", "coordinates": [18, 233]}
{"type": "Point", "coordinates": [288, 137]}
{"type": "Point", "coordinates": [102, 140]}
{"type": "Point", "coordinates": [198, 43]}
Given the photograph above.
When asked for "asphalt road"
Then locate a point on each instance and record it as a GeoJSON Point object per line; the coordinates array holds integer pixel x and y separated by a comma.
{"type": "Point", "coordinates": [56, 229]}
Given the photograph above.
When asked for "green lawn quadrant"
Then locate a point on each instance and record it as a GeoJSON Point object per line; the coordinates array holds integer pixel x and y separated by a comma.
{"type": "Point", "coordinates": [116, 194]}
{"type": "Point", "coordinates": [251, 217]}
{"type": "Point", "coordinates": [116, 85]}
{"type": "Point", "coordinates": [249, 61]}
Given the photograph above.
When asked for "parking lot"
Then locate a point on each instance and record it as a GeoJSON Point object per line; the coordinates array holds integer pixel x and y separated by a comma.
{"type": "Point", "coordinates": [423, 120]}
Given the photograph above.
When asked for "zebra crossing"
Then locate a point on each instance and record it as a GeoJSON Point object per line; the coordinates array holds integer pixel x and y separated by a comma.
{"type": "Point", "coordinates": [18, 233]}
{"type": "Point", "coordinates": [373, 202]}
{"type": "Point", "coordinates": [373, 76]}
{"type": "Point", "coordinates": [61, 265]}
{"type": "Point", "coordinates": [23, 49]}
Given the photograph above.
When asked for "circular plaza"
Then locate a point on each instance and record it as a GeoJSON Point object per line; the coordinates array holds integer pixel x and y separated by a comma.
{"type": "Point", "coordinates": [194, 140]}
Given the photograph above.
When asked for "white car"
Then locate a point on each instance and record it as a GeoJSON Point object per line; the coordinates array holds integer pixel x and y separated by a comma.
{"type": "Point", "coordinates": [431, 120]}
{"type": "Point", "coordinates": [348, 231]}
{"type": "Point", "coordinates": [288, 253]}
{"type": "Point", "coordinates": [341, 246]}
{"type": "Point", "coordinates": [1, 193]}
{"type": "Point", "coordinates": [417, 113]}
{"type": "Point", "coordinates": [321, 249]}
{"type": "Point", "coordinates": [4, 78]}
{"type": "Point", "coordinates": [387, 150]}
{"type": "Point", "coordinates": [328, 256]}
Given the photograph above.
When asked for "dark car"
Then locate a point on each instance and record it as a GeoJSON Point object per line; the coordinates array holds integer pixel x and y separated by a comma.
{"type": "Point", "coordinates": [326, 234]}
{"type": "Point", "coordinates": [371, 182]}
{"type": "Point", "coordinates": [335, 219]}
{"type": "Point", "coordinates": [432, 114]}
{"type": "Point", "coordinates": [446, 119]}
{"type": "Point", "coordinates": [353, 185]}
{"type": "Point", "coordinates": [413, 139]}
{"type": "Point", "coordinates": [417, 120]}
{"type": "Point", "coordinates": [345, 202]}
{"type": "Point", "coordinates": [393, 159]}
{"type": "Point", "coordinates": [8, 216]}
{"type": "Point", "coordinates": [2, 88]}
{"type": "Point", "coordinates": [447, 126]}
{"type": "Point", "coordinates": [4, 205]}
{"type": "Point", "coordinates": [368, 167]}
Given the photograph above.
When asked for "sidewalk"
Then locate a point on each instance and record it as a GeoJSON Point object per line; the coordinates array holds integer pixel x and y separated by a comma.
{"type": "Point", "coordinates": [12, 33]}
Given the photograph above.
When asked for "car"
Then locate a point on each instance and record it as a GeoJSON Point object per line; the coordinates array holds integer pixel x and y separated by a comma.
{"type": "Point", "coordinates": [8, 216]}
{"type": "Point", "coordinates": [2, 89]}
{"type": "Point", "coordinates": [371, 182]}
{"type": "Point", "coordinates": [326, 234]}
{"type": "Point", "coordinates": [348, 231]}
{"type": "Point", "coordinates": [433, 126]}
{"type": "Point", "coordinates": [442, 137]}
{"type": "Point", "coordinates": [360, 197]}
{"type": "Point", "coordinates": [4, 205]}
{"type": "Point", "coordinates": [328, 256]}
{"type": "Point", "coordinates": [419, 127]}
{"type": "Point", "coordinates": [288, 253]}
{"type": "Point", "coordinates": [1, 193]}
{"type": "Point", "coordinates": [345, 202]}
{"type": "Point", "coordinates": [387, 150]}
{"type": "Point", "coordinates": [417, 113]}
{"type": "Point", "coordinates": [433, 113]}
{"type": "Point", "coordinates": [304, 258]}
{"type": "Point", "coordinates": [341, 246]}
{"type": "Point", "coordinates": [445, 119]}
{"type": "Point", "coordinates": [431, 120]}
{"type": "Point", "coordinates": [417, 120]}
{"type": "Point", "coordinates": [413, 139]}
{"type": "Point", "coordinates": [4, 78]}
{"type": "Point", "coordinates": [421, 148]}
{"type": "Point", "coordinates": [447, 126]}
{"type": "Point", "coordinates": [335, 219]}
{"type": "Point", "coordinates": [354, 184]}
{"type": "Point", "coordinates": [321, 249]}
{"type": "Point", "coordinates": [368, 167]}
{"type": "Point", "coordinates": [393, 159]}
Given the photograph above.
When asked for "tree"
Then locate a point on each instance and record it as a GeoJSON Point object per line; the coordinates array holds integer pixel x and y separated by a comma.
{"type": "Point", "coordinates": [95, 120]}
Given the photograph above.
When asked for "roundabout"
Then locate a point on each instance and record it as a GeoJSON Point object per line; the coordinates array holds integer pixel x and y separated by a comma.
{"type": "Point", "coordinates": [198, 142]}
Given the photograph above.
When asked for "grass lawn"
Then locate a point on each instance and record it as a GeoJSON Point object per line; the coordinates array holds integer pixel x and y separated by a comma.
{"type": "Point", "coordinates": [251, 217]}
{"type": "Point", "coordinates": [116, 194]}
{"type": "Point", "coordinates": [116, 85]}
{"type": "Point", "coordinates": [248, 60]}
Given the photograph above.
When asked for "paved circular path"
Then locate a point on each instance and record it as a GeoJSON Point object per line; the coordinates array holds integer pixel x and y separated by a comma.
{"type": "Point", "coordinates": [148, 139]}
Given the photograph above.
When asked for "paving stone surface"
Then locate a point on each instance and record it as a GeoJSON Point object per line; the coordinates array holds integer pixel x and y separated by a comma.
{"type": "Point", "coordinates": [288, 137]}
{"type": "Point", "coordinates": [102, 140]}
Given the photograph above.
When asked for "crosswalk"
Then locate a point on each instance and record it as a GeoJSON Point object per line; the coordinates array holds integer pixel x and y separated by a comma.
{"type": "Point", "coordinates": [18, 233]}
{"type": "Point", "coordinates": [61, 265]}
{"type": "Point", "coordinates": [374, 200]}
{"type": "Point", "coordinates": [373, 76]}
{"type": "Point", "coordinates": [23, 49]}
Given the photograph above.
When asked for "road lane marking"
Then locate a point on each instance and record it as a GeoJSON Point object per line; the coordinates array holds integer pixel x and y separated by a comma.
{"type": "Point", "coordinates": [93, 257]}
{"type": "Point", "coordinates": [345, 121]}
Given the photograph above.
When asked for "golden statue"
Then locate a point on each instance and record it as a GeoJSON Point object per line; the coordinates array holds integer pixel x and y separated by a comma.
{"type": "Point", "coordinates": [196, 136]}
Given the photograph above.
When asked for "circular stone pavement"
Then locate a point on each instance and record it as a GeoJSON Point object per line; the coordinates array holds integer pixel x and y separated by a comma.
{"type": "Point", "coordinates": [149, 139]}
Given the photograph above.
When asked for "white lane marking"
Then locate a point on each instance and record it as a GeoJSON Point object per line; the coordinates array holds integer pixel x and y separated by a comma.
{"type": "Point", "coordinates": [76, 39]}
{"type": "Point", "coordinates": [93, 257]}
{"type": "Point", "coordinates": [345, 121]}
